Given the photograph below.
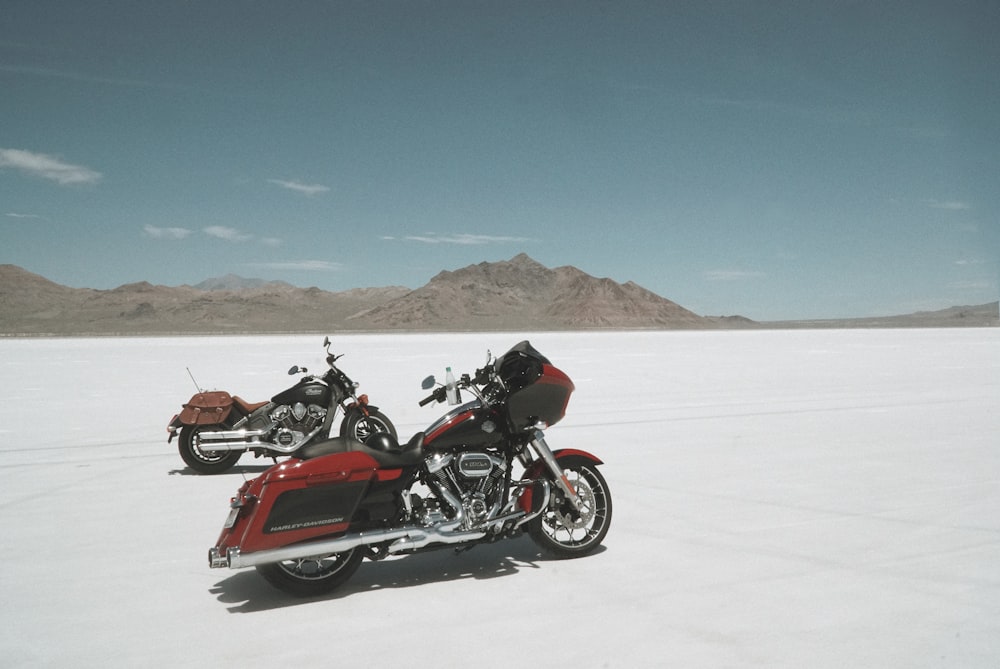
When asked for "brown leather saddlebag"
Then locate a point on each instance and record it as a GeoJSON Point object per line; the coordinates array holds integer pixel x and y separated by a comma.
{"type": "Point", "coordinates": [207, 408]}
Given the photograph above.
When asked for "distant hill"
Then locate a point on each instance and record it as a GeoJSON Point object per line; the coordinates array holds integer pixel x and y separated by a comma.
{"type": "Point", "coordinates": [980, 315]}
{"type": "Point", "coordinates": [523, 294]}
{"type": "Point", "coordinates": [517, 294]}
{"type": "Point", "coordinates": [238, 283]}
{"type": "Point", "coordinates": [33, 305]}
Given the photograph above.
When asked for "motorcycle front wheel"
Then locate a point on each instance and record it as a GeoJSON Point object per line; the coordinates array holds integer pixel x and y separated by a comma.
{"type": "Point", "coordinates": [312, 576]}
{"type": "Point", "coordinates": [201, 461]}
{"type": "Point", "coordinates": [359, 427]}
{"type": "Point", "coordinates": [565, 532]}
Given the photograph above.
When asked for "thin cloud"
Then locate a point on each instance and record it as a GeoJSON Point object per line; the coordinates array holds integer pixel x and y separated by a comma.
{"type": "Point", "coordinates": [731, 275]}
{"type": "Point", "coordinates": [166, 233]}
{"type": "Point", "coordinates": [984, 285]}
{"type": "Point", "coordinates": [302, 265]}
{"type": "Point", "coordinates": [80, 76]}
{"type": "Point", "coordinates": [460, 239]}
{"type": "Point", "coordinates": [47, 167]}
{"type": "Point", "coordinates": [306, 189]}
{"type": "Point", "coordinates": [228, 234]}
{"type": "Point", "coordinates": [827, 115]}
{"type": "Point", "coordinates": [14, 214]}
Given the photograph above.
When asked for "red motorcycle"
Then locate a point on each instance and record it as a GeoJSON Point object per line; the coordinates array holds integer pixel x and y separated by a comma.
{"type": "Point", "coordinates": [307, 523]}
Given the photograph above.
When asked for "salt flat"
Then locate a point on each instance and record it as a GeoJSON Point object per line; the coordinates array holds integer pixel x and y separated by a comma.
{"type": "Point", "coordinates": [782, 499]}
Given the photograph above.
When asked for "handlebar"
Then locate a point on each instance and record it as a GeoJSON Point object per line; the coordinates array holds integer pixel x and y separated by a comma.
{"type": "Point", "coordinates": [484, 376]}
{"type": "Point", "coordinates": [438, 395]}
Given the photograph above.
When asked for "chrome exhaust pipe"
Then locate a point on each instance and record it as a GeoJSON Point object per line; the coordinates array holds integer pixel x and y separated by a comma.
{"type": "Point", "coordinates": [230, 440]}
{"type": "Point", "coordinates": [405, 539]}
{"type": "Point", "coordinates": [241, 440]}
{"type": "Point", "coordinates": [236, 560]}
{"type": "Point", "coordinates": [231, 435]}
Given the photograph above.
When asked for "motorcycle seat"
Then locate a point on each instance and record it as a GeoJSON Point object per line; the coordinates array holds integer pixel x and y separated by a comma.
{"type": "Point", "coordinates": [247, 406]}
{"type": "Point", "coordinates": [402, 456]}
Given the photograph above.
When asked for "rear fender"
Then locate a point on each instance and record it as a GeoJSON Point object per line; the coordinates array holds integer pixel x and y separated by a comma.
{"type": "Point", "coordinates": [173, 427]}
{"type": "Point", "coordinates": [566, 457]}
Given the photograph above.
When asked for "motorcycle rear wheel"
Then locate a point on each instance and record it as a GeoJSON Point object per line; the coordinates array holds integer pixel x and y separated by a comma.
{"type": "Point", "coordinates": [201, 461]}
{"type": "Point", "coordinates": [566, 533]}
{"type": "Point", "coordinates": [312, 576]}
{"type": "Point", "coordinates": [359, 427]}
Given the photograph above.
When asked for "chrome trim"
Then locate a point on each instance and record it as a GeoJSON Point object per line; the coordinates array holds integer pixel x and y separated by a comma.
{"type": "Point", "coordinates": [438, 461]}
{"type": "Point", "coordinates": [465, 459]}
{"type": "Point", "coordinates": [541, 507]}
{"type": "Point", "coordinates": [214, 559]}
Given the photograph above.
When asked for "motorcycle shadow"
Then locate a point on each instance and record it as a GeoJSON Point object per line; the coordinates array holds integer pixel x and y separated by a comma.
{"type": "Point", "coordinates": [250, 470]}
{"type": "Point", "coordinates": [247, 592]}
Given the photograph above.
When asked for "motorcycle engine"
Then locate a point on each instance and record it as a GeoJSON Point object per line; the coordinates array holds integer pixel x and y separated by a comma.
{"type": "Point", "coordinates": [296, 421]}
{"type": "Point", "coordinates": [476, 478]}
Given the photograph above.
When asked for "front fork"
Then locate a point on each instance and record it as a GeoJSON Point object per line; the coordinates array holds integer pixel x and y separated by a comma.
{"type": "Point", "coordinates": [545, 453]}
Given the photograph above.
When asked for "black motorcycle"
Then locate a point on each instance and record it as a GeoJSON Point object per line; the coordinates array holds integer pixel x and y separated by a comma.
{"type": "Point", "coordinates": [216, 428]}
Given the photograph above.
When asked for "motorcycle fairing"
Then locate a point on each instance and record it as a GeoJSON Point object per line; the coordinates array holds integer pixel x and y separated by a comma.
{"type": "Point", "coordinates": [544, 399]}
{"type": "Point", "coordinates": [564, 457]}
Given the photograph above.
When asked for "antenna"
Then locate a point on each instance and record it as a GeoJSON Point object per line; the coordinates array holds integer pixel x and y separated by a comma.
{"type": "Point", "coordinates": [193, 381]}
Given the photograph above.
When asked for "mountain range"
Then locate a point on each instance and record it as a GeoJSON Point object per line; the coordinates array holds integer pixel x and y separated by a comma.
{"type": "Point", "coordinates": [517, 294]}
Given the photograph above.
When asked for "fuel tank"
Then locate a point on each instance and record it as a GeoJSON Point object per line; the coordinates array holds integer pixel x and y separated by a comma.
{"type": "Point", "coordinates": [307, 391]}
{"type": "Point", "coordinates": [469, 425]}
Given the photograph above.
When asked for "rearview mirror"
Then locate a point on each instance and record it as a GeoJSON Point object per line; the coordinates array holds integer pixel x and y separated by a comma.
{"type": "Point", "coordinates": [294, 370]}
{"type": "Point", "coordinates": [428, 383]}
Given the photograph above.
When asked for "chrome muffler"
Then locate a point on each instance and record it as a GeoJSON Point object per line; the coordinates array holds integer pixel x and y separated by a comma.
{"type": "Point", "coordinates": [229, 440]}
{"type": "Point", "coordinates": [241, 440]}
{"type": "Point", "coordinates": [403, 538]}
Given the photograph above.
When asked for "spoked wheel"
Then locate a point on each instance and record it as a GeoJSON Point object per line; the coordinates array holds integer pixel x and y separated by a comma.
{"type": "Point", "coordinates": [312, 576]}
{"type": "Point", "coordinates": [561, 529]}
{"type": "Point", "coordinates": [359, 427]}
{"type": "Point", "coordinates": [201, 461]}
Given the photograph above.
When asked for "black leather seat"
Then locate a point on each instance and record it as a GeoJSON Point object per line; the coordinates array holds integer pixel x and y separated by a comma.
{"type": "Point", "coordinates": [390, 455]}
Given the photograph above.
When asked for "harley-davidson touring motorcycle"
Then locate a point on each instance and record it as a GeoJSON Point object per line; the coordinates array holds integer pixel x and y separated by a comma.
{"type": "Point", "coordinates": [216, 428]}
{"type": "Point", "coordinates": [307, 523]}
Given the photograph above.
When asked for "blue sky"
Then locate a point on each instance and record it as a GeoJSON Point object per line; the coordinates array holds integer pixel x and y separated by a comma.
{"type": "Point", "coordinates": [771, 159]}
